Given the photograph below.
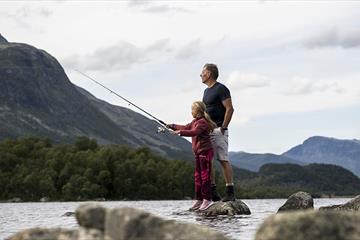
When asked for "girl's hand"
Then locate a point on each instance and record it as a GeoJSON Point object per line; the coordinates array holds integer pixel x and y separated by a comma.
{"type": "Point", "coordinates": [176, 132]}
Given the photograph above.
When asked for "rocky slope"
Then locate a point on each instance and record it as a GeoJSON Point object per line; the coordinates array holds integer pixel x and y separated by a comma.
{"type": "Point", "coordinates": [37, 98]}
{"type": "Point", "coordinates": [345, 153]}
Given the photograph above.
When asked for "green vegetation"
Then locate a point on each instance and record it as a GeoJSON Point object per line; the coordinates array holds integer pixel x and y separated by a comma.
{"type": "Point", "coordinates": [32, 168]}
{"type": "Point", "coordinates": [282, 180]}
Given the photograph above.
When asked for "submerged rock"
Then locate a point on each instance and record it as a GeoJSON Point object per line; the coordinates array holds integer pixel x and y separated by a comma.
{"type": "Point", "coordinates": [231, 208]}
{"type": "Point", "coordinates": [46, 234]}
{"type": "Point", "coordinates": [68, 214]}
{"type": "Point", "coordinates": [352, 205]}
{"type": "Point", "coordinates": [309, 225]}
{"type": "Point", "coordinates": [298, 201]}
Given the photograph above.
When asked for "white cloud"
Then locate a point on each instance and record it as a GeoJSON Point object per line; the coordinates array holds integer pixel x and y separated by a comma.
{"type": "Point", "coordinates": [345, 38]}
{"type": "Point", "coordinates": [118, 57]}
{"type": "Point", "coordinates": [239, 80]}
{"type": "Point", "coordinates": [189, 50]}
{"type": "Point", "coordinates": [303, 86]}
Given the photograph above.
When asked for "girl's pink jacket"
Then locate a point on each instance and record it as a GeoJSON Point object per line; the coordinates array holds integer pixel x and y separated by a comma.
{"type": "Point", "coordinates": [199, 130]}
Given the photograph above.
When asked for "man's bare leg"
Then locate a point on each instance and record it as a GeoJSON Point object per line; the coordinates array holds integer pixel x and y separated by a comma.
{"type": "Point", "coordinates": [228, 175]}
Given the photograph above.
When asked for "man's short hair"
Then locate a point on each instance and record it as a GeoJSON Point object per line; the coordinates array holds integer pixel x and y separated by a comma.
{"type": "Point", "coordinates": [213, 69]}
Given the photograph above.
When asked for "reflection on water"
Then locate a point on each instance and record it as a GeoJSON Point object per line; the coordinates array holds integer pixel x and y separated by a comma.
{"type": "Point", "coordinates": [18, 216]}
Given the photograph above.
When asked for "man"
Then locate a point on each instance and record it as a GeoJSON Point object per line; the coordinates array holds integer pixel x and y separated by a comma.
{"type": "Point", "coordinates": [218, 103]}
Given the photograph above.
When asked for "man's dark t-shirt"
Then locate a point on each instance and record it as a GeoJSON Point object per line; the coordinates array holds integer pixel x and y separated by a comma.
{"type": "Point", "coordinates": [213, 98]}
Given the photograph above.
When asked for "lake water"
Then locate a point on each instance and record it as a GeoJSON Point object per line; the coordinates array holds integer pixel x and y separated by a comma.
{"type": "Point", "coordinates": [18, 216]}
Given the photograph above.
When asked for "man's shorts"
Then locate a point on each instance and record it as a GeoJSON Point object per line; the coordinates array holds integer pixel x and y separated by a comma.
{"type": "Point", "coordinates": [220, 144]}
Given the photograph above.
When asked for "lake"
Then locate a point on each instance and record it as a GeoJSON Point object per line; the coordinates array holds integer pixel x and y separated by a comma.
{"type": "Point", "coordinates": [18, 216]}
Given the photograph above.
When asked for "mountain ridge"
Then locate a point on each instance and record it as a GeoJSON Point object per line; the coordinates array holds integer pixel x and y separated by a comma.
{"type": "Point", "coordinates": [37, 98]}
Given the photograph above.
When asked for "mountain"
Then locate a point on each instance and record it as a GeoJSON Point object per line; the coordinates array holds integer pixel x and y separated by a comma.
{"type": "Point", "coordinates": [253, 162]}
{"type": "Point", "coordinates": [316, 178]}
{"type": "Point", "coordinates": [2, 39]}
{"type": "Point", "coordinates": [345, 153]}
{"type": "Point", "coordinates": [37, 98]}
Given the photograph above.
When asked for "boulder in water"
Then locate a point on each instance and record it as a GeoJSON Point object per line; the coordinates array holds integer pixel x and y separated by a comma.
{"type": "Point", "coordinates": [46, 234]}
{"type": "Point", "coordinates": [352, 205]}
{"type": "Point", "coordinates": [298, 201]}
{"type": "Point", "coordinates": [230, 208]}
{"type": "Point", "coordinates": [308, 225]}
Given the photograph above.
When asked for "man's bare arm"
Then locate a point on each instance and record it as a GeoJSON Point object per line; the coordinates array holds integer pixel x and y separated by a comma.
{"type": "Point", "coordinates": [228, 112]}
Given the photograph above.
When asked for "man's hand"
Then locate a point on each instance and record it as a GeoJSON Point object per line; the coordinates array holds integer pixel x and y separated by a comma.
{"type": "Point", "coordinates": [222, 130]}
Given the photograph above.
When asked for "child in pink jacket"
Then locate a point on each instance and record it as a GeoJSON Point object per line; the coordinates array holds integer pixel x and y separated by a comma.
{"type": "Point", "coordinates": [199, 129]}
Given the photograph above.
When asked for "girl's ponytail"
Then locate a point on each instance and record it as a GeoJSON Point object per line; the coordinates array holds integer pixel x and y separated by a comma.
{"type": "Point", "coordinates": [211, 123]}
{"type": "Point", "coordinates": [200, 106]}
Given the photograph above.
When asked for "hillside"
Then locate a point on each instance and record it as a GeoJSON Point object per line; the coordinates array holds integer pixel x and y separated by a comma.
{"type": "Point", "coordinates": [345, 153]}
{"type": "Point", "coordinates": [37, 98]}
{"type": "Point", "coordinates": [316, 178]}
{"type": "Point", "coordinates": [253, 162]}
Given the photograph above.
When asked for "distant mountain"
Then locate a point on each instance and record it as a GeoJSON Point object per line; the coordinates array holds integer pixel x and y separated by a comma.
{"type": "Point", "coordinates": [253, 162]}
{"type": "Point", "coordinates": [37, 98]}
{"type": "Point", "coordinates": [2, 39]}
{"type": "Point", "coordinates": [345, 153]}
{"type": "Point", "coordinates": [316, 178]}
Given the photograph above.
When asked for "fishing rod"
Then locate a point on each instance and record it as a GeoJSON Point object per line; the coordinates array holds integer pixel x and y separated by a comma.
{"type": "Point", "coordinates": [162, 123]}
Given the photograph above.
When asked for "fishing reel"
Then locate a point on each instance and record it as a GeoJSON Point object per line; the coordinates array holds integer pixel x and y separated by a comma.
{"type": "Point", "coordinates": [161, 130]}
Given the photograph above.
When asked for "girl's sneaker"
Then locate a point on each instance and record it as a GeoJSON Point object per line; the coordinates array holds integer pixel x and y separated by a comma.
{"type": "Point", "coordinates": [196, 205]}
{"type": "Point", "coordinates": [206, 204]}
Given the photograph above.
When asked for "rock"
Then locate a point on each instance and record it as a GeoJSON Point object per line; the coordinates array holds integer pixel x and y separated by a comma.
{"type": "Point", "coordinates": [44, 199]}
{"type": "Point", "coordinates": [298, 201]}
{"type": "Point", "coordinates": [46, 234]}
{"type": "Point", "coordinates": [91, 215]}
{"type": "Point", "coordinates": [352, 205]}
{"type": "Point", "coordinates": [231, 208]}
{"type": "Point", "coordinates": [131, 224]}
{"type": "Point", "coordinates": [68, 214]}
{"type": "Point", "coordinates": [14, 200]}
{"type": "Point", "coordinates": [308, 225]}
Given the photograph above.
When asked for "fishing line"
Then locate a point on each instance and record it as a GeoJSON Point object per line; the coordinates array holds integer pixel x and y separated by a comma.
{"type": "Point", "coordinates": [129, 102]}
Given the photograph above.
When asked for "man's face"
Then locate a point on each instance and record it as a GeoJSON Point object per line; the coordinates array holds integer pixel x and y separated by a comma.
{"type": "Point", "coordinates": [205, 75]}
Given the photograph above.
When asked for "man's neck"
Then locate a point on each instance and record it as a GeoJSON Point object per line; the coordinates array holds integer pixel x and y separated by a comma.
{"type": "Point", "coordinates": [210, 83]}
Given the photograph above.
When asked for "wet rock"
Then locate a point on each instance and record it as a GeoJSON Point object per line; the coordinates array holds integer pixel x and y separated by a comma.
{"type": "Point", "coordinates": [298, 201]}
{"type": "Point", "coordinates": [130, 223]}
{"type": "Point", "coordinates": [231, 208]}
{"type": "Point", "coordinates": [14, 200]}
{"type": "Point", "coordinates": [91, 215]}
{"type": "Point", "coordinates": [352, 205]}
{"type": "Point", "coordinates": [308, 225]}
{"type": "Point", "coordinates": [44, 199]}
{"type": "Point", "coordinates": [68, 214]}
{"type": "Point", "coordinates": [46, 234]}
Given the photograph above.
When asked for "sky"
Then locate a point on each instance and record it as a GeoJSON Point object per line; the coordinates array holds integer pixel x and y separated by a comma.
{"type": "Point", "coordinates": [292, 67]}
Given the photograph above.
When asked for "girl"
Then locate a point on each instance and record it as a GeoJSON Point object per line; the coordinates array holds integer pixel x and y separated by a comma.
{"type": "Point", "coordinates": [199, 129]}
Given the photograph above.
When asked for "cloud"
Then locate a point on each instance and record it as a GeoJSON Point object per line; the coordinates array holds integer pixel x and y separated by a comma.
{"type": "Point", "coordinates": [189, 50]}
{"type": "Point", "coordinates": [118, 57]}
{"type": "Point", "coordinates": [152, 7]}
{"type": "Point", "coordinates": [345, 38]}
{"type": "Point", "coordinates": [304, 86]}
{"type": "Point", "coordinates": [241, 81]}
